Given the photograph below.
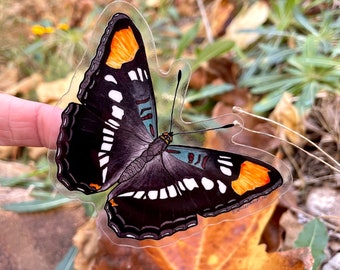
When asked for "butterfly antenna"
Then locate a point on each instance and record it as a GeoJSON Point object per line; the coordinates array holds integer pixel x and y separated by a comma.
{"type": "Point", "coordinates": [207, 129]}
{"type": "Point", "coordinates": [179, 77]}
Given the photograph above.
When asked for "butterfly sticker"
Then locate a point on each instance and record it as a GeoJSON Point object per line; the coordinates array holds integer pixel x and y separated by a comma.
{"type": "Point", "coordinates": [110, 140]}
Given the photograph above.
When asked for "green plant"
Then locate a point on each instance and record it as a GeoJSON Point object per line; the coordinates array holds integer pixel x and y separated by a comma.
{"type": "Point", "coordinates": [298, 52]}
{"type": "Point", "coordinates": [42, 190]}
{"type": "Point", "coordinates": [55, 50]}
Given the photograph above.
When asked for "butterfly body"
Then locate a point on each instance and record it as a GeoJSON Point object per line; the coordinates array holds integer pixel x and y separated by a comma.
{"type": "Point", "coordinates": [111, 139]}
{"type": "Point", "coordinates": [154, 149]}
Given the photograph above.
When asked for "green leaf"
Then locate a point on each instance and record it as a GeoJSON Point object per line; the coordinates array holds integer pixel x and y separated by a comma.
{"type": "Point", "coordinates": [307, 96]}
{"type": "Point", "coordinates": [67, 262]}
{"type": "Point", "coordinates": [210, 91]}
{"type": "Point", "coordinates": [36, 205]}
{"type": "Point", "coordinates": [321, 62]}
{"type": "Point", "coordinates": [314, 235]}
{"type": "Point", "coordinates": [187, 39]}
{"type": "Point", "coordinates": [269, 86]}
{"type": "Point", "coordinates": [22, 181]}
{"type": "Point", "coordinates": [304, 21]}
{"type": "Point", "coordinates": [218, 48]}
{"type": "Point", "coordinates": [268, 102]}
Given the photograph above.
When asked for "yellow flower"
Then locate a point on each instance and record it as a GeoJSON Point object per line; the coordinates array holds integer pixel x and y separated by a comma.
{"type": "Point", "coordinates": [63, 26]}
{"type": "Point", "coordinates": [38, 30]}
{"type": "Point", "coordinates": [49, 29]}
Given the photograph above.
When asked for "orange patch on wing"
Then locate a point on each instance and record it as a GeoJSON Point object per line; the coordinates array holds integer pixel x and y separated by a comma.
{"type": "Point", "coordinates": [251, 176]}
{"type": "Point", "coordinates": [123, 48]}
{"type": "Point", "coordinates": [113, 203]}
{"type": "Point", "coordinates": [96, 186]}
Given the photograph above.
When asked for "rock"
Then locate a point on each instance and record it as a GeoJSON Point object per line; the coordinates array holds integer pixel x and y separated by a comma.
{"type": "Point", "coordinates": [333, 264]}
{"type": "Point", "coordinates": [324, 202]}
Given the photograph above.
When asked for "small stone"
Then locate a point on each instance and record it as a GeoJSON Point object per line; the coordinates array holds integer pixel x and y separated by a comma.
{"type": "Point", "coordinates": [333, 263]}
{"type": "Point", "coordinates": [324, 202]}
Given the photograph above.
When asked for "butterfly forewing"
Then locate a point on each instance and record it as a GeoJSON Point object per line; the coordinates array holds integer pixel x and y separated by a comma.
{"type": "Point", "coordinates": [117, 114]}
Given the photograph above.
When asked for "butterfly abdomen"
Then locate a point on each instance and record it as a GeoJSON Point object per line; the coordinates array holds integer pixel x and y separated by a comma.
{"type": "Point", "coordinates": [155, 148]}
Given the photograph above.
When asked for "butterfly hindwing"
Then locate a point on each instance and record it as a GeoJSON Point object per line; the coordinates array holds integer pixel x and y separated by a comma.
{"type": "Point", "coordinates": [117, 115]}
{"type": "Point", "coordinates": [169, 192]}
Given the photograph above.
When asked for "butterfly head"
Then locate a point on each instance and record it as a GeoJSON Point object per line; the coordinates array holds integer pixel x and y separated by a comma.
{"type": "Point", "coordinates": [167, 137]}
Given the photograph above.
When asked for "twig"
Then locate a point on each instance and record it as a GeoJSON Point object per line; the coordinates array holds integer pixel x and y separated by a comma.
{"type": "Point", "coordinates": [205, 21]}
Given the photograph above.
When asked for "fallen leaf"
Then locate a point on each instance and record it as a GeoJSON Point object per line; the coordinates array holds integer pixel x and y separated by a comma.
{"type": "Point", "coordinates": [228, 245]}
{"type": "Point", "coordinates": [36, 152]}
{"type": "Point", "coordinates": [273, 232]}
{"type": "Point", "coordinates": [25, 86]}
{"type": "Point", "coordinates": [50, 92]}
{"type": "Point", "coordinates": [248, 19]}
{"type": "Point", "coordinates": [286, 114]}
{"type": "Point", "coordinates": [99, 252]}
{"type": "Point", "coordinates": [86, 240]}
{"type": "Point", "coordinates": [220, 68]}
{"type": "Point", "coordinates": [300, 258]}
{"type": "Point", "coordinates": [8, 78]}
{"type": "Point", "coordinates": [218, 14]}
{"type": "Point", "coordinates": [198, 78]}
{"type": "Point", "coordinates": [292, 229]}
{"type": "Point", "coordinates": [8, 152]}
{"type": "Point", "coordinates": [186, 7]}
{"type": "Point", "coordinates": [221, 140]}
{"type": "Point", "coordinates": [225, 69]}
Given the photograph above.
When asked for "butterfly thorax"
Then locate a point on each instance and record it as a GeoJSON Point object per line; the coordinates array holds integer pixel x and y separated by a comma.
{"type": "Point", "coordinates": [154, 149]}
{"type": "Point", "coordinates": [166, 137]}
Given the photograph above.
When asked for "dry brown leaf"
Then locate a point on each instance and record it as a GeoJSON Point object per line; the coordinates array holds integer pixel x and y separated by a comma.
{"type": "Point", "coordinates": [8, 152]}
{"type": "Point", "coordinates": [217, 69]}
{"type": "Point", "coordinates": [50, 92]}
{"type": "Point", "coordinates": [218, 14]}
{"type": "Point", "coordinates": [198, 78]}
{"type": "Point", "coordinates": [8, 78]}
{"type": "Point", "coordinates": [225, 69]}
{"type": "Point", "coordinates": [35, 153]}
{"type": "Point", "coordinates": [229, 245]}
{"type": "Point", "coordinates": [98, 252]}
{"type": "Point", "coordinates": [296, 259]}
{"type": "Point", "coordinates": [241, 240]}
{"type": "Point", "coordinates": [186, 7]}
{"type": "Point", "coordinates": [292, 229]}
{"type": "Point", "coordinates": [86, 240]}
{"type": "Point", "coordinates": [238, 97]}
{"type": "Point", "coordinates": [25, 86]}
{"type": "Point", "coordinates": [273, 232]}
{"type": "Point", "coordinates": [221, 140]}
{"type": "Point", "coordinates": [248, 19]}
{"type": "Point", "coordinates": [286, 114]}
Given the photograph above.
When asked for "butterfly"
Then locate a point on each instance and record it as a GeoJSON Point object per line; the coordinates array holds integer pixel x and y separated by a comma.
{"type": "Point", "coordinates": [110, 140]}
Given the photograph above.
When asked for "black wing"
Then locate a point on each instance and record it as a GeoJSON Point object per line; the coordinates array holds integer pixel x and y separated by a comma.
{"type": "Point", "coordinates": [174, 187]}
{"type": "Point", "coordinates": [117, 116]}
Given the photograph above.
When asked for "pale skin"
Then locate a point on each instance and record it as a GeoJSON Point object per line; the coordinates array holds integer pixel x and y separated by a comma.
{"type": "Point", "coordinates": [28, 123]}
